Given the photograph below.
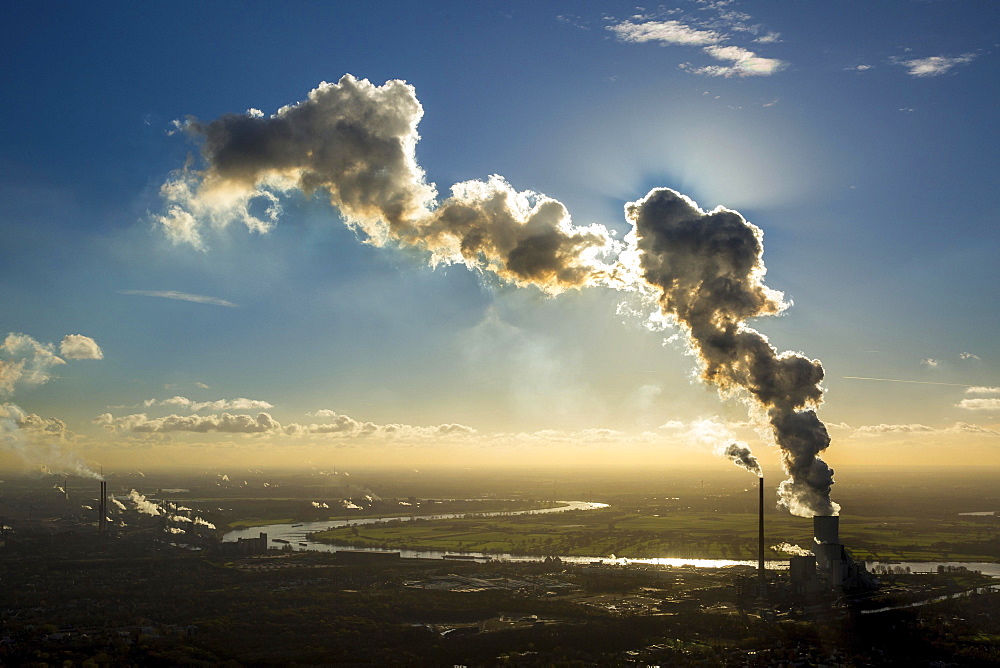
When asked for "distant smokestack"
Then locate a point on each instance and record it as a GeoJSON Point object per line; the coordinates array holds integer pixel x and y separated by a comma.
{"type": "Point", "coordinates": [66, 488]}
{"type": "Point", "coordinates": [102, 524]}
{"type": "Point", "coordinates": [760, 538]}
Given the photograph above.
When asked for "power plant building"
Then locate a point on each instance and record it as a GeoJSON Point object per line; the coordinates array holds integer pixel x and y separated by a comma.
{"type": "Point", "coordinates": [834, 566]}
{"type": "Point", "coordinates": [245, 547]}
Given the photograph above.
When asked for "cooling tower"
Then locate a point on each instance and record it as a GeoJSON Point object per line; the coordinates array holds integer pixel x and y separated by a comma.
{"type": "Point", "coordinates": [826, 529]}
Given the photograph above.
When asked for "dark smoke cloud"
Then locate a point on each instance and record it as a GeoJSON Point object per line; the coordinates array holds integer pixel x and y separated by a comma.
{"type": "Point", "coordinates": [356, 143]}
{"type": "Point", "coordinates": [708, 271]}
{"type": "Point", "coordinates": [739, 454]}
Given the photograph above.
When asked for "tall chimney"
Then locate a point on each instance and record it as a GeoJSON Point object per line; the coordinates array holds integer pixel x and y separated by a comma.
{"type": "Point", "coordinates": [102, 522]}
{"type": "Point", "coordinates": [760, 539]}
{"type": "Point", "coordinates": [66, 488]}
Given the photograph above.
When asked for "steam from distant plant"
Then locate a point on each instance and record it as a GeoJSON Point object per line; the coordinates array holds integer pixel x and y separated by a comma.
{"type": "Point", "coordinates": [356, 143]}
{"type": "Point", "coordinates": [142, 504]}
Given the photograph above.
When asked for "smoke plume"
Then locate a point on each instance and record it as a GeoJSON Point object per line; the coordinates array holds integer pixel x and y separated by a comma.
{"type": "Point", "coordinates": [356, 144]}
{"type": "Point", "coordinates": [708, 270]}
{"type": "Point", "coordinates": [739, 454]}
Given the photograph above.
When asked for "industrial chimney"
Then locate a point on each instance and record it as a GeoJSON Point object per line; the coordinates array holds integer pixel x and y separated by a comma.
{"type": "Point", "coordinates": [102, 523]}
{"type": "Point", "coordinates": [760, 538]}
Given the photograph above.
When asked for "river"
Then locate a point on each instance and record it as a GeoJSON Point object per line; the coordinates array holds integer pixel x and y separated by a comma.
{"type": "Point", "coordinates": [298, 537]}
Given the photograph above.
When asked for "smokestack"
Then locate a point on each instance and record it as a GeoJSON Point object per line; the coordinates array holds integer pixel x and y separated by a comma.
{"type": "Point", "coordinates": [760, 539]}
{"type": "Point", "coordinates": [102, 524]}
{"type": "Point", "coordinates": [66, 488]}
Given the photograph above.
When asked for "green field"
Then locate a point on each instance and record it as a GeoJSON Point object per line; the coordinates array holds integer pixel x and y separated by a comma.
{"type": "Point", "coordinates": [284, 511]}
{"type": "Point", "coordinates": [679, 534]}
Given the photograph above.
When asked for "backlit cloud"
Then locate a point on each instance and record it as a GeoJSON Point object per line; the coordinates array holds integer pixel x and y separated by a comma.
{"type": "Point", "coordinates": [981, 389]}
{"type": "Point", "coordinates": [356, 143]}
{"type": "Point", "coordinates": [181, 296]}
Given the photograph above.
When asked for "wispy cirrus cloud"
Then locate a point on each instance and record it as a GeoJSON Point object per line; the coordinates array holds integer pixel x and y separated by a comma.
{"type": "Point", "coordinates": [181, 296]}
{"type": "Point", "coordinates": [934, 65]}
{"type": "Point", "coordinates": [664, 32]}
{"type": "Point", "coordinates": [714, 31]}
{"type": "Point", "coordinates": [743, 63]}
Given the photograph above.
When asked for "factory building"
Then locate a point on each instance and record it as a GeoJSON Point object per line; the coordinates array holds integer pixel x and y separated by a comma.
{"type": "Point", "coordinates": [831, 567]}
{"type": "Point", "coordinates": [245, 547]}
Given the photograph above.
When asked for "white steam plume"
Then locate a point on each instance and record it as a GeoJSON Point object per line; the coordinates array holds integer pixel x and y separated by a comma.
{"type": "Point", "coordinates": [142, 504]}
{"type": "Point", "coordinates": [356, 143]}
{"type": "Point", "coordinates": [793, 550]}
{"type": "Point", "coordinates": [740, 454]}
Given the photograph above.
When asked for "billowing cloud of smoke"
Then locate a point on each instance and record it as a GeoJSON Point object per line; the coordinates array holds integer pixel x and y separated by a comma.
{"type": "Point", "coordinates": [356, 143]}
{"type": "Point", "coordinates": [708, 270]}
{"type": "Point", "coordinates": [739, 454]}
{"type": "Point", "coordinates": [119, 504]}
{"type": "Point", "coordinates": [793, 550]}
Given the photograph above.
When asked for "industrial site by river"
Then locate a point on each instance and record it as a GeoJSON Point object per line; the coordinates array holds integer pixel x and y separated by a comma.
{"type": "Point", "coordinates": [298, 537]}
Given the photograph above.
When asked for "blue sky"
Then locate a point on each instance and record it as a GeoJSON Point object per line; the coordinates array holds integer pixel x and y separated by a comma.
{"type": "Point", "coordinates": [861, 137]}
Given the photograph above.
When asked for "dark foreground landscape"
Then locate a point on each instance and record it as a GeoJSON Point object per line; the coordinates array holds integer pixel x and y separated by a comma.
{"type": "Point", "coordinates": [141, 594]}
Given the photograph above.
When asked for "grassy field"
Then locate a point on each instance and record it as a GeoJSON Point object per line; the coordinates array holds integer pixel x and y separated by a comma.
{"type": "Point", "coordinates": [281, 511]}
{"type": "Point", "coordinates": [679, 534]}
